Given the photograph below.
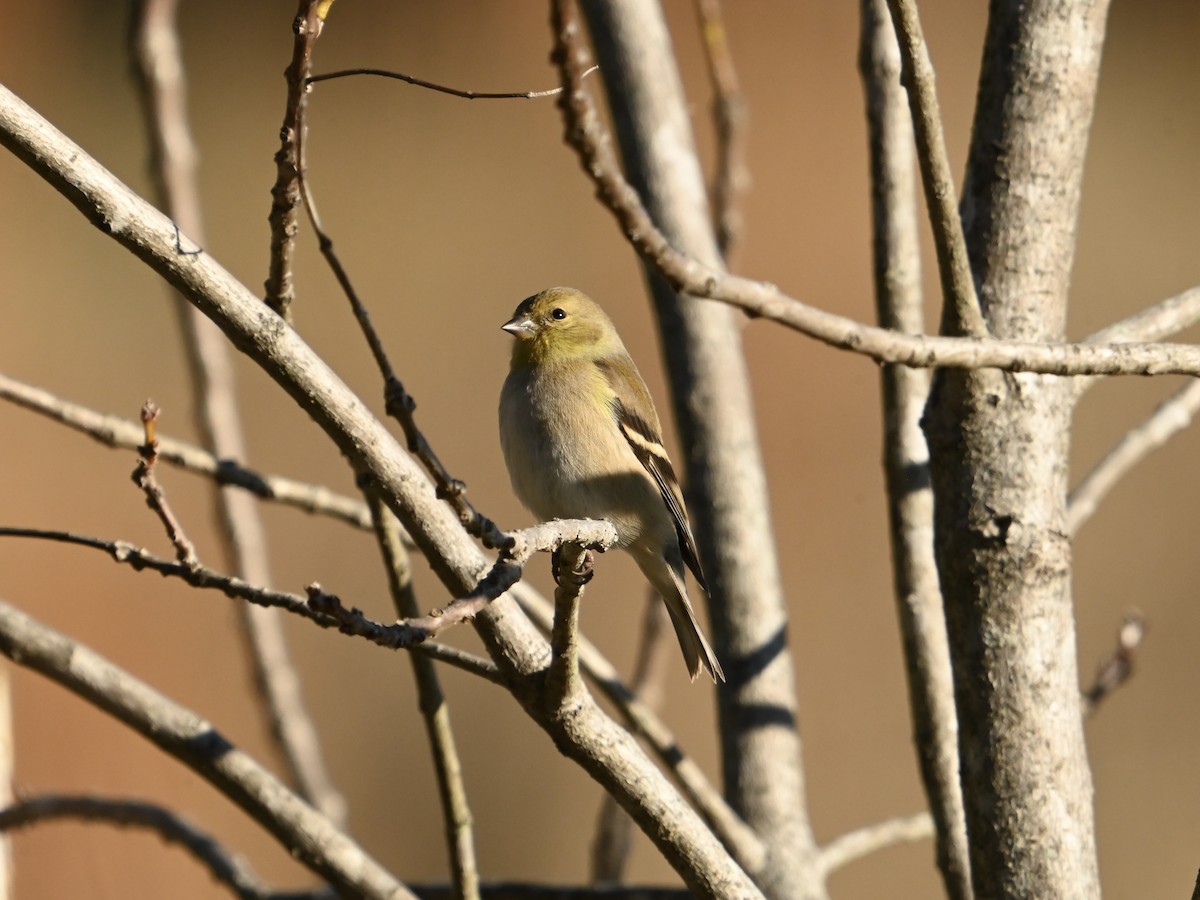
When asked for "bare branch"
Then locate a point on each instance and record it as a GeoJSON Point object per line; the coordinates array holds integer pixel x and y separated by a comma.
{"type": "Point", "coordinates": [456, 813]}
{"type": "Point", "coordinates": [898, 302]}
{"type": "Point", "coordinates": [590, 738]}
{"type": "Point", "coordinates": [573, 568]}
{"type": "Point", "coordinates": [326, 609]}
{"type": "Point", "coordinates": [1155, 323]}
{"type": "Point", "coordinates": [306, 834]}
{"type": "Point", "coordinates": [856, 844]}
{"type": "Point", "coordinates": [1172, 416]}
{"type": "Point", "coordinates": [156, 498]}
{"type": "Point", "coordinates": [440, 88]}
{"type": "Point", "coordinates": [642, 720]}
{"type": "Point", "coordinates": [226, 868]}
{"type": "Point", "coordinates": [125, 434]}
{"type": "Point", "coordinates": [215, 403]}
{"type": "Point", "coordinates": [397, 401]}
{"type": "Point", "coordinates": [480, 666]}
{"type": "Point", "coordinates": [758, 299]}
{"type": "Point", "coordinates": [289, 161]}
{"type": "Point", "coordinates": [732, 177]}
{"type": "Point", "coordinates": [961, 316]}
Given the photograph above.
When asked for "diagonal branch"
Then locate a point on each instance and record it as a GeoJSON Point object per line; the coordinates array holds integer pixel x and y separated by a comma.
{"type": "Point", "coordinates": [125, 434]}
{"type": "Point", "coordinates": [864, 841]}
{"type": "Point", "coordinates": [760, 743]}
{"type": "Point", "coordinates": [225, 867]}
{"type": "Point", "coordinates": [1172, 416]}
{"type": "Point", "coordinates": [309, 836]}
{"type": "Point", "coordinates": [590, 738]}
{"type": "Point", "coordinates": [690, 276]}
{"type": "Point", "coordinates": [1154, 323]}
{"type": "Point", "coordinates": [961, 315]}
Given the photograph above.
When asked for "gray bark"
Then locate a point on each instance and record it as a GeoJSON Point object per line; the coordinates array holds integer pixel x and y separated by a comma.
{"type": "Point", "coordinates": [998, 444]}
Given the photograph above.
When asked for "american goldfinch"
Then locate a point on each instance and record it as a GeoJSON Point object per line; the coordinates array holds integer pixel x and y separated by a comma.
{"type": "Point", "coordinates": [582, 441]}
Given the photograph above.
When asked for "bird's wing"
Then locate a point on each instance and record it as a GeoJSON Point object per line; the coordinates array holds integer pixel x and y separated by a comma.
{"type": "Point", "coordinates": [638, 423]}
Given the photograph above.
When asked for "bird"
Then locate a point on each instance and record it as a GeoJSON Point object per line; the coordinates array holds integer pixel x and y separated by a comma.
{"type": "Point", "coordinates": [581, 440]}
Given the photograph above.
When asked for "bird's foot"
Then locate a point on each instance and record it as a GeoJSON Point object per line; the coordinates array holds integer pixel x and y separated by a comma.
{"type": "Point", "coordinates": [578, 576]}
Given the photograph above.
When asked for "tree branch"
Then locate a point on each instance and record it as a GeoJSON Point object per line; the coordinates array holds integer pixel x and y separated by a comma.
{"type": "Point", "coordinates": [855, 845]}
{"type": "Point", "coordinates": [306, 834]}
{"type": "Point", "coordinates": [732, 177]}
{"type": "Point", "coordinates": [225, 868]}
{"type": "Point", "coordinates": [590, 738]}
{"type": "Point", "coordinates": [758, 299]}
{"type": "Point", "coordinates": [760, 744]}
{"type": "Point", "coordinates": [961, 316]}
{"type": "Point", "coordinates": [1172, 416]}
{"type": "Point", "coordinates": [289, 160]}
{"type": "Point", "coordinates": [898, 302]}
{"type": "Point", "coordinates": [125, 434]}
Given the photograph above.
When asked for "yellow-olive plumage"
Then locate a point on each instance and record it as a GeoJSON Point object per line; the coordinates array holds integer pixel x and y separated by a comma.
{"type": "Point", "coordinates": [582, 441]}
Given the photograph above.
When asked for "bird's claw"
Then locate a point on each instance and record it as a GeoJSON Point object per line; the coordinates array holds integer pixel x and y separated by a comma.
{"type": "Point", "coordinates": [579, 575]}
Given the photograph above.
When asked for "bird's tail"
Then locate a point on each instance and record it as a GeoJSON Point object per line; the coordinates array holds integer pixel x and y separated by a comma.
{"type": "Point", "coordinates": [696, 650]}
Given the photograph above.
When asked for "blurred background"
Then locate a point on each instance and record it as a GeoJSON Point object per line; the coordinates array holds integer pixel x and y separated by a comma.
{"type": "Point", "coordinates": [447, 213]}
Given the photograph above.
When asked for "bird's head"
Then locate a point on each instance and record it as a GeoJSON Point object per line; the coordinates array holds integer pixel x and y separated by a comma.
{"type": "Point", "coordinates": [559, 325]}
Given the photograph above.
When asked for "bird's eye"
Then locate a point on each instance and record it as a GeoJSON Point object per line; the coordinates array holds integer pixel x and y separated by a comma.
{"type": "Point", "coordinates": [558, 313]}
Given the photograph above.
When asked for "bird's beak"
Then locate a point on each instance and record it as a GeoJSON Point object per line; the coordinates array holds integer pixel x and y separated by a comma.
{"type": "Point", "coordinates": [520, 326]}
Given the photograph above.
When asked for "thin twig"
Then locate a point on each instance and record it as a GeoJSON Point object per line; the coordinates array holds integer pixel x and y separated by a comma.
{"type": "Point", "coordinates": [732, 176]}
{"type": "Point", "coordinates": [1171, 417]}
{"type": "Point", "coordinates": [398, 403]}
{"type": "Point", "coordinates": [592, 740]}
{"type": "Point", "coordinates": [289, 162]}
{"type": "Point", "coordinates": [470, 663]}
{"type": "Point", "coordinates": [132, 223]}
{"type": "Point", "coordinates": [440, 88]}
{"type": "Point", "coordinates": [1118, 666]}
{"type": "Point", "coordinates": [226, 868]}
{"type": "Point", "coordinates": [865, 841]}
{"type": "Point", "coordinates": [325, 610]}
{"type": "Point", "coordinates": [156, 497]}
{"type": "Point", "coordinates": [759, 299]}
{"type": "Point", "coordinates": [125, 434]}
{"type": "Point", "coordinates": [961, 315]}
{"type": "Point", "coordinates": [1154, 323]}
{"type": "Point", "coordinates": [452, 791]}
{"type": "Point", "coordinates": [899, 305]}
{"type": "Point", "coordinates": [309, 836]}
{"type": "Point", "coordinates": [155, 48]}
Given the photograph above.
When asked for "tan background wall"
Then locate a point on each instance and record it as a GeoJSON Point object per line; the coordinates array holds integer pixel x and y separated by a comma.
{"type": "Point", "coordinates": [447, 213]}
